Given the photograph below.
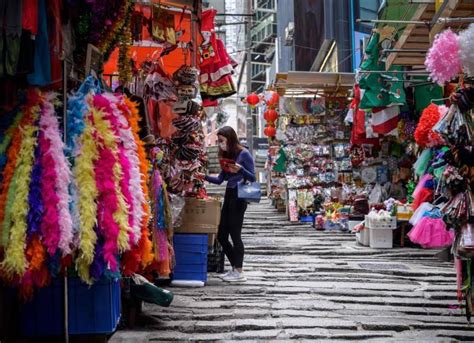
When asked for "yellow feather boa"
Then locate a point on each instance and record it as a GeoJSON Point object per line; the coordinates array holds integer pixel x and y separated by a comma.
{"type": "Point", "coordinates": [104, 129]}
{"type": "Point", "coordinates": [85, 177]}
{"type": "Point", "coordinates": [15, 260]}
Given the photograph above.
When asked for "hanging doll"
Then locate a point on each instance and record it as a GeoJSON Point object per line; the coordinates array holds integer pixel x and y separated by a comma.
{"type": "Point", "coordinates": [215, 64]}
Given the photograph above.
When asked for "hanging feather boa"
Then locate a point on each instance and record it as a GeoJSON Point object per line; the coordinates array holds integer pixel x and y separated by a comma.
{"type": "Point", "coordinates": [97, 267]}
{"type": "Point", "coordinates": [119, 126]}
{"type": "Point", "coordinates": [145, 246]}
{"type": "Point", "coordinates": [8, 173]}
{"type": "Point", "coordinates": [50, 223]}
{"type": "Point", "coordinates": [87, 196]}
{"type": "Point", "coordinates": [37, 274]}
{"type": "Point", "coordinates": [160, 240]}
{"type": "Point", "coordinates": [78, 108]}
{"type": "Point", "coordinates": [35, 197]}
{"type": "Point", "coordinates": [15, 260]}
{"type": "Point", "coordinates": [7, 138]}
{"type": "Point", "coordinates": [115, 201]}
{"type": "Point", "coordinates": [131, 151]}
{"type": "Point", "coordinates": [107, 204]}
{"type": "Point", "coordinates": [50, 129]}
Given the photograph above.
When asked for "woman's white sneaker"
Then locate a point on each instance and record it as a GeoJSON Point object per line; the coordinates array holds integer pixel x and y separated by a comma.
{"type": "Point", "coordinates": [235, 277]}
{"type": "Point", "coordinates": [222, 276]}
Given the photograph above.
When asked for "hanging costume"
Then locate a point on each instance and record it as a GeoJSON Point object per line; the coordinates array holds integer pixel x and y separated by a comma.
{"type": "Point", "coordinates": [216, 65]}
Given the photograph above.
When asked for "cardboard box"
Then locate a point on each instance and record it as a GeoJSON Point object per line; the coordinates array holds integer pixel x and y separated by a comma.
{"type": "Point", "coordinates": [200, 216]}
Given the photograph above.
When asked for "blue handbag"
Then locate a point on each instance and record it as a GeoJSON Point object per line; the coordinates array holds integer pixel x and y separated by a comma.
{"type": "Point", "coordinates": [249, 191]}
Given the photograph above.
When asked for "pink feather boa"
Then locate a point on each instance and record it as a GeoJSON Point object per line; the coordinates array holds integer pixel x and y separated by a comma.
{"type": "Point", "coordinates": [134, 191]}
{"type": "Point", "coordinates": [50, 128]}
{"type": "Point", "coordinates": [108, 103]}
{"type": "Point", "coordinates": [107, 204]}
{"type": "Point", "coordinates": [50, 223]}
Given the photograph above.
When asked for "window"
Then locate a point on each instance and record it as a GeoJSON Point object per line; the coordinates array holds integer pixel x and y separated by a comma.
{"type": "Point", "coordinates": [366, 9]}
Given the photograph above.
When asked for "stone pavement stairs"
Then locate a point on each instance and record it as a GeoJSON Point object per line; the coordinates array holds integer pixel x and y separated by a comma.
{"type": "Point", "coordinates": [306, 285]}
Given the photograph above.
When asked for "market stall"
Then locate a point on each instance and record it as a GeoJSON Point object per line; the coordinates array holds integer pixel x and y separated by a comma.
{"type": "Point", "coordinates": [435, 48]}
{"type": "Point", "coordinates": [97, 173]}
{"type": "Point", "coordinates": [310, 152]}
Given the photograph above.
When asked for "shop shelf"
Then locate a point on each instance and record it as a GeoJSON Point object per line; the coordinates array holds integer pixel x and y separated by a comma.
{"type": "Point", "coordinates": [92, 309]}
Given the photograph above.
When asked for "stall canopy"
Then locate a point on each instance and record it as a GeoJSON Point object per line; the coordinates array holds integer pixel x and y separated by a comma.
{"type": "Point", "coordinates": [296, 83]}
{"type": "Point", "coordinates": [184, 16]}
{"type": "Point", "coordinates": [427, 21]}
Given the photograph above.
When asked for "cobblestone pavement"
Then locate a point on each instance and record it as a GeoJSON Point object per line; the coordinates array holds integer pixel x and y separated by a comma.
{"type": "Point", "coordinates": [314, 286]}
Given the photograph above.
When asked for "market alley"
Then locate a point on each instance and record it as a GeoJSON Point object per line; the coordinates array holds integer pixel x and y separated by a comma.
{"type": "Point", "coordinates": [309, 285]}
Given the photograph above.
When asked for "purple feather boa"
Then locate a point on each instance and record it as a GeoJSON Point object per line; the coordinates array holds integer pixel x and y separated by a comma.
{"type": "Point", "coordinates": [97, 267]}
{"type": "Point", "coordinates": [35, 199]}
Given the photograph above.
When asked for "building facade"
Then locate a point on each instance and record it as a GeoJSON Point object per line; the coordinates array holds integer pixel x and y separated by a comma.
{"type": "Point", "coordinates": [322, 35]}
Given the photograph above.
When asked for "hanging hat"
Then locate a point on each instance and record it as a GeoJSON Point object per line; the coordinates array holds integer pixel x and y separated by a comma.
{"type": "Point", "coordinates": [207, 21]}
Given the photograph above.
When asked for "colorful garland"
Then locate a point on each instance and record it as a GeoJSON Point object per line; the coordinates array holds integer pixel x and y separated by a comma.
{"type": "Point", "coordinates": [144, 245]}
{"type": "Point", "coordinates": [16, 227]}
{"type": "Point", "coordinates": [125, 42]}
{"type": "Point", "coordinates": [87, 196]}
{"type": "Point", "coordinates": [107, 186]}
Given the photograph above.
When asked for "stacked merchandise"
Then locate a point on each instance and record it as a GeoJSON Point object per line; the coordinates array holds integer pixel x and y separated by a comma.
{"type": "Point", "coordinates": [313, 155]}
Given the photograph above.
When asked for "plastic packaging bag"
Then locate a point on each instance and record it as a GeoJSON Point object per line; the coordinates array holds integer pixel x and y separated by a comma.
{"type": "Point", "coordinates": [377, 195]}
{"type": "Point", "coordinates": [177, 205]}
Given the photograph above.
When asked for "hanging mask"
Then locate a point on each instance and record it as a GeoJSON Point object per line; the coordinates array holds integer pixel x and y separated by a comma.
{"type": "Point", "coordinates": [187, 91]}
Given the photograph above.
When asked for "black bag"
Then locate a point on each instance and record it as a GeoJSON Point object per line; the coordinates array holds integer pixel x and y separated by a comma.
{"type": "Point", "coordinates": [215, 258]}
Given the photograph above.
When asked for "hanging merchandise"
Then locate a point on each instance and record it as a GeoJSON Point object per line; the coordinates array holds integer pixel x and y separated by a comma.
{"type": "Point", "coordinates": [380, 90]}
{"type": "Point", "coordinates": [216, 65]}
{"type": "Point", "coordinates": [183, 142]}
{"type": "Point", "coordinates": [270, 115]}
{"type": "Point", "coordinates": [162, 224]}
{"type": "Point", "coordinates": [271, 98]}
{"type": "Point", "coordinates": [111, 208]}
{"type": "Point", "coordinates": [466, 50]}
{"type": "Point", "coordinates": [270, 131]}
{"type": "Point", "coordinates": [424, 135]}
{"type": "Point", "coordinates": [163, 26]}
{"type": "Point", "coordinates": [359, 131]}
{"type": "Point", "coordinates": [443, 61]}
{"type": "Point", "coordinates": [253, 100]}
{"type": "Point", "coordinates": [99, 23]}
{"type": "Point", "coordinates": [36, 227]}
